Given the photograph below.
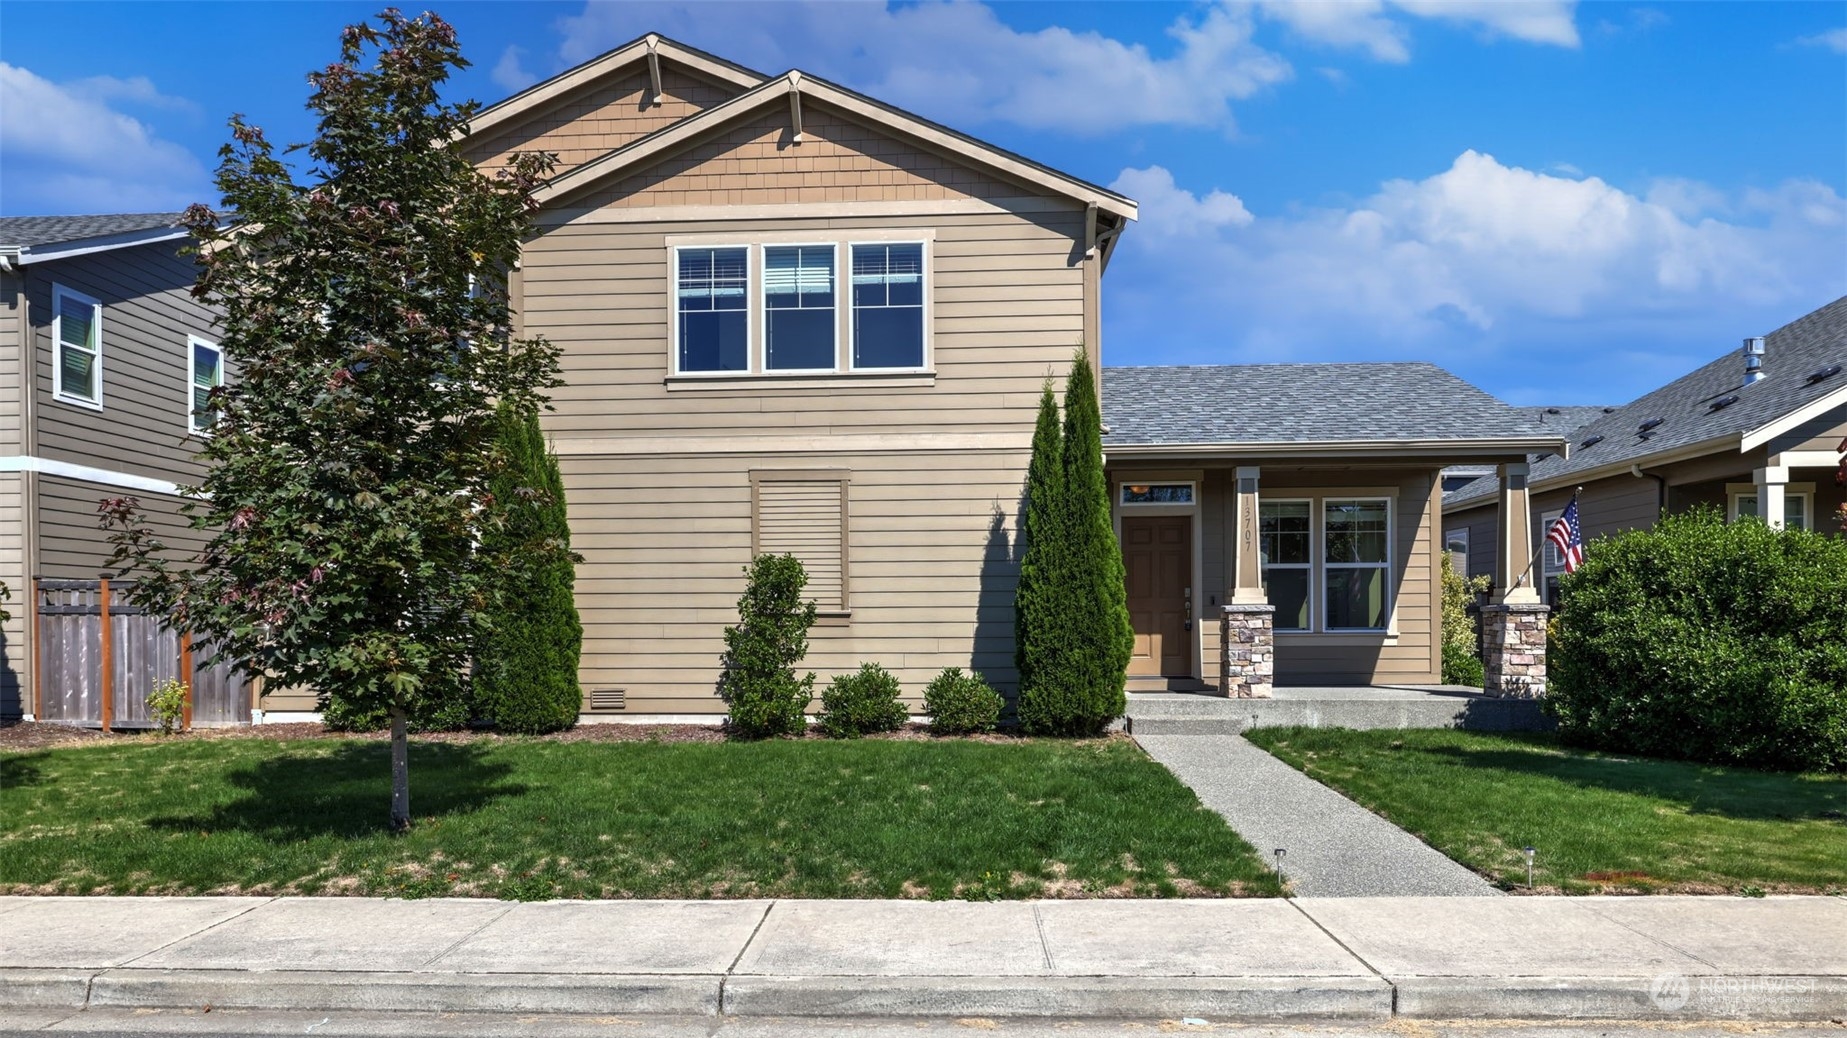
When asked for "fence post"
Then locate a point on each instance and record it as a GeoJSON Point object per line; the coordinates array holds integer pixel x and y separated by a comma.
{"type": "Point", "coordinates": [36, 655]}
{"type": "Point", "coordinates": [107, 684]}
{"type": "Point", "coordinates": [186, 676]}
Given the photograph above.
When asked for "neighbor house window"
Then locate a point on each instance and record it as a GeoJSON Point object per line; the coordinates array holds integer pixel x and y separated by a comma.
{"type": "Point", "coordinates": [1551, 561]}
{"type": "Point", "coordinates": [1356, 537]}
{"type": "Point", "coordinates": [798, 308]}
{"type": "Point", "coordinates": [77, 341]}
{"type": "Point", "coordinates": [804, 514]}
{"type": "Point", "coordinates": [712, 310]}
{"type": "Point", "coordinates": [888, 305]}
{"type": "Point", "coordinates": [1795, 507]}
{"type": "Point", "coordinates": [204, 373]}
{"type": "Point", "coordinates": [1285, 532]}
{"type": "Point", "coordinates": [1456, 542]}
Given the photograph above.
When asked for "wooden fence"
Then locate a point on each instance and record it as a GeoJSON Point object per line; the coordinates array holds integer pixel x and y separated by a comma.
{"type": "Point", "coordinates": [99, 657]}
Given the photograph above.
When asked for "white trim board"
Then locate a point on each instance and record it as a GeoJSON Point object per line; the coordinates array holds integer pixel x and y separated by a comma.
{"type": "Point", "coordinates": [69, 470]}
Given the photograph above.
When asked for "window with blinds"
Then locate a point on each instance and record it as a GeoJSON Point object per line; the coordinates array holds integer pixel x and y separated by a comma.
{"type": "Point", "coordinates": [798, 304]}
{"type": "Point", "coordinates": [805, 515]}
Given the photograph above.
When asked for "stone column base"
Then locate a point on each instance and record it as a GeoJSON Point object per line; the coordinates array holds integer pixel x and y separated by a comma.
{"type": "Point", "coordinates": [1247, 651]}
{"type": "Point", "coordinates": [1514, 650]}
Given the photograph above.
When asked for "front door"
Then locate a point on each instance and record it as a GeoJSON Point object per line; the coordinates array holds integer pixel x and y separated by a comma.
{"type": "Point", "coordinates": [1157, 551]}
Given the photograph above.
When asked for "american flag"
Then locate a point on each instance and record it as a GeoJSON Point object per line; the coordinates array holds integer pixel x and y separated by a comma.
{"type": "Point", "coordinates": [1567, 538]}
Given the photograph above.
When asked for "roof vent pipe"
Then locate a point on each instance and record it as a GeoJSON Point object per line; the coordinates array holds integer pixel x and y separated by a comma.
{"type": "Point", "coordinates": [1753, 359]}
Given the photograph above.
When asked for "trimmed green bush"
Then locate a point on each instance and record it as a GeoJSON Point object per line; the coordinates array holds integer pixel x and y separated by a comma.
{"type": "Point", "coordinates": [862, 703]}
{"type": "Point", "coordinates": [1461, 650]}
{"type": "Point", "coordinates": [961, 703]}
{"type": "Point", "coordinates": [1072, 607]}
{"type": "Point", "coordinates": [759, 685]}
{"type": "Point", "coordinates": [526, 670]}
{"type": "Point", "coordinates": [1707, 641]}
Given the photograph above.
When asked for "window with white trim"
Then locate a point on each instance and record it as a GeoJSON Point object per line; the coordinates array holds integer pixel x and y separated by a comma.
{"type": "Point", "coordinates": [712, 309]}
{"type": "Point", "coordinates": [1795, 507]}
{"type": "Point", "coordinates": [1456, 543]}
{"type": "Point", "coordinates": [1285, 537]}
{"type": "Point", "coordinates": [204, 373]}
{"type": "Point", "coordinates": [1356, 561]}
{"type": "Point", "coordinates": [77, 345]}
{"type": "Point", "coordinates": [799, 317]}
{"type": "Point", "coordinates": [888, 305]}
{"type": "Point", "coordinates": [1551, 560]}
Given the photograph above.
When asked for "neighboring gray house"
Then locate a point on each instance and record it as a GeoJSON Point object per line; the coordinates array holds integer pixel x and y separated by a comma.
{"type": "Point", "coordinates": [1762, 426]}
{"type": "Point", "coordinates": [105, 361]}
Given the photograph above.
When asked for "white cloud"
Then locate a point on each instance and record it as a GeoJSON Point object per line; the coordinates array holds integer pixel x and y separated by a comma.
{"type": "Point", "coordinates": [1530, 21]}
{"type": "Point", "coordinates": [66, 150]}
{"type": "Point", "coordinates": [1834, 40]}
{"type": "Point", "coordinates": [138, 90]}
{"type": "Point", "coordinates": [1370, 25]}
{"type": "Point", "coordinates": [1476, 261]}
{"type": "Point", "coordinates": [510, 71]}
{"type": "Point", "coordinates": [958, 62]}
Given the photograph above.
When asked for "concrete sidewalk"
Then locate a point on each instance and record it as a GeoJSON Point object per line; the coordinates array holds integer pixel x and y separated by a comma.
{"type": "Point", "coordinates": [1660, 958]}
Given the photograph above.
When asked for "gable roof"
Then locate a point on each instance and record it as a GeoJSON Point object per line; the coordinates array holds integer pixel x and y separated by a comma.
{"type": "Point", "coordinates": [665, 141]}
{"type": "Point", "coordinates": [1332, 406]}
{"type": "Point", "coordinates": [36, 239]}
{"type": "Point", "coordinates": [610, 64]}
{"type": "Point", "coordinates": [1685, 406]}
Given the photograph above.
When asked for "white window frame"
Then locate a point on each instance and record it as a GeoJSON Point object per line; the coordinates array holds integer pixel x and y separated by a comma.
{"type": "Point", "coordinates": [1388, 564]}
{"type": "Point", "coordinates": [59, 294]}
{"type": "Point", "coordinates": [761, 360]}
{"type": "Point", "coordinates": [751, 282]}
{"type": "Point", "coordinates": [1453, 537]}
{"type": "Point", "coordinates": [924, 312]}
{"type": "Point", "coordinates": [1311, 567]}
{"type": "Point", "coordinates": [1122, 492]}
{"type": "Point", "coordinates": [193, 342]}
{"type": "Point", "coordinates": [1735, 493]}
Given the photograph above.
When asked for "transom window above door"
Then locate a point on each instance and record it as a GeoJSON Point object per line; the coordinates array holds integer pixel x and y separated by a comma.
{"type": "Point", "coordinates": [777, 308]}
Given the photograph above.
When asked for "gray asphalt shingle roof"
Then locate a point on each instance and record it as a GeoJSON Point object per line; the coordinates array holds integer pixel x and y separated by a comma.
{"type": "Point", "coordinates": [1302, 403]}
{"type": "Point", "coordinates": [26, 231]}
{"type": "Point", "coordinates": [1791, 353]}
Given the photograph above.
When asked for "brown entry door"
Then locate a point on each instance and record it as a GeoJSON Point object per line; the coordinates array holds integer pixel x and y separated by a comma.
{"type": "Point", "coordinates": [1157, 551]}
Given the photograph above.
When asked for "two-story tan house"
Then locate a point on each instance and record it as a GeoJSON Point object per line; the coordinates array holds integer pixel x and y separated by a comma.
{"type": "Point", "coordinates": [106, 361]}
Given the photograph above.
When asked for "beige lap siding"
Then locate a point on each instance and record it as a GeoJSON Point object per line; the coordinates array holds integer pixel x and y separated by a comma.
{"type": "Point", "coordinates": [665, 539]}
{"type": "Point", "coordinates": [14, 696]}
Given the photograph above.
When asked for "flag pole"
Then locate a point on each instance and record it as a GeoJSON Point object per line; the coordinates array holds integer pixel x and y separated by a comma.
{"type": "Point", "coordinates": [1534, 561]}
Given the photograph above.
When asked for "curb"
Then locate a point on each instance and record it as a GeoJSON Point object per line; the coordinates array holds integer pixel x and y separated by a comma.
{"type": "Point", "coordinates": [53, 989]}
{"type": "Point", "coordinates": [1766, 998]}
{"type": "Point", "coordinates": [596, 994]}
{"type": "Point", "coordinates": [1243, 998]}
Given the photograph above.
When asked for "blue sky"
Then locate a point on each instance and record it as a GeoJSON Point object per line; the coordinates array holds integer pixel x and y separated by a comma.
{"type": "Point", "coordinates": [1564, 203]}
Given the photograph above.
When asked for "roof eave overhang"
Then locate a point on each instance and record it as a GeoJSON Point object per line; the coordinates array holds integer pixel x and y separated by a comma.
{"type": "Point", "coordinates": [28, 254]}
{"type": "Point", "coordinates": [1763, 434]}
{"type": "Point", "coordinates": [1436, 450]}
{"type": "Point", "coordinates": [1714, 445]}
{"type": "Point", "coordinates": [638, 154]}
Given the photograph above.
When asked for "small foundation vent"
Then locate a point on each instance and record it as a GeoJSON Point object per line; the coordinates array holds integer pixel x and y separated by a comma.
{"type": "Point", "coordinates": [607, 700]}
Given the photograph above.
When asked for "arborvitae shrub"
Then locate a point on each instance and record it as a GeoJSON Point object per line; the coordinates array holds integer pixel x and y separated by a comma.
{"type": "Point", "coordinates": [961, 703]}
{"type": "Point", "coordinates": [861, 703]}
{"type": "Point", "coordinates": [526, 672]}
{"type": "Point", "coordinates": [759, 684]}
{"type": "Point", "coordinates": [1707, 641]}
{"type": "Point", "coordinates": [1038, 640]}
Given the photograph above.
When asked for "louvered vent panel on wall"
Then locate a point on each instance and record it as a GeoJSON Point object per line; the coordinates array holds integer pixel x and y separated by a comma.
{"type": "Point", "coordinates": [806, 518]}
{"type": "Point", "coordinates": [608, 699]}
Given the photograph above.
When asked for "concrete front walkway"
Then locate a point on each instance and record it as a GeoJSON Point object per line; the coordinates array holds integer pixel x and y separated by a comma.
{"type": "Point", "coordinates": [1332, 846]}
{"type": "Point", "coordinates": [1658, 958]}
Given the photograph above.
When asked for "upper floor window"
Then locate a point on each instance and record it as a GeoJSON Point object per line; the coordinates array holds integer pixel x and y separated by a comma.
{"type": "Point", "coordinates": [204, 373]}
{"type": "Point", "coordinates": [778, 309]}
{"type": "Point", "coordinates": [888, 305]}
{"type": "Point", "coordinates": [77, 342]}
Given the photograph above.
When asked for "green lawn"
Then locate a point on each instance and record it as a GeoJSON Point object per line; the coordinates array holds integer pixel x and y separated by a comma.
{"type": "Point", "coordinates": [1599, 822]}
{"type": "Point", "coordinates": [530, 818]}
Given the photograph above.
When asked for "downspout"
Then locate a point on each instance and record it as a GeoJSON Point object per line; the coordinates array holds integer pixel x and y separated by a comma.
{"type": "Point", "coordinates": [1660, 488]}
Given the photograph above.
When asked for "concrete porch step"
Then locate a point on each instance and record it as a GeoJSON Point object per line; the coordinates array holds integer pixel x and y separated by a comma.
{"type": "Point", "coordinates": [1181, 713]}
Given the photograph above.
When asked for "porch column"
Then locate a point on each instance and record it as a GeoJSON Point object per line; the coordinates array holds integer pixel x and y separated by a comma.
{"type": "Point", "coordinates": [1247, 644]}
{"type": "Point", "coordinates": [1772, 481]}
{"type": "Point", "coordinates": [1514, 625]}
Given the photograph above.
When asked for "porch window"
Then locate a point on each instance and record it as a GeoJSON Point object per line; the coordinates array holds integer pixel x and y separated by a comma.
{"type": "Point", "coordinates": [1795, 508]}
{"type": "Point", "coordinates": [1157, 493]}
{"type": "Point", "coordinates": [1285, 530]}
{"type": "Point", "coordinates": [1357, 563]}
{"type": "Point", "coordinates": [798, 304]}
{"type": "Point", "coordinates": [712, 324]}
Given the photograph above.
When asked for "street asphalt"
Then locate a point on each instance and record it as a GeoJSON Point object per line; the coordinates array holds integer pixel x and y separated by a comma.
{"type": "Point", "coordinates": [1332, 847]}
{"type": "Point", "coordinates": [1670, 960]}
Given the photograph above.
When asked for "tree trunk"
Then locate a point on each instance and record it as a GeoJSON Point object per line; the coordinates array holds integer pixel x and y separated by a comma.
{"type": "Point", "coordinates": [400, 771]}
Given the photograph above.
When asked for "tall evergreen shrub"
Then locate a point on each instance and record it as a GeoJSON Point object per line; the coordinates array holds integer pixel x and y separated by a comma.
{"type": "Point", "coordinates": [759, 684]}
{"type": "Point", "coordinates": [1072, 614]}
{"type": "Point", "coordinates": [526, 678]}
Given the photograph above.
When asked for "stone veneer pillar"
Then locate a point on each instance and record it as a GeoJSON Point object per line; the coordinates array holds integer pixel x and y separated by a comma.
{"type": "Point", "coordinates": [1247, 650]}
{"type": "Point", "coordinates": [1515, 655]}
